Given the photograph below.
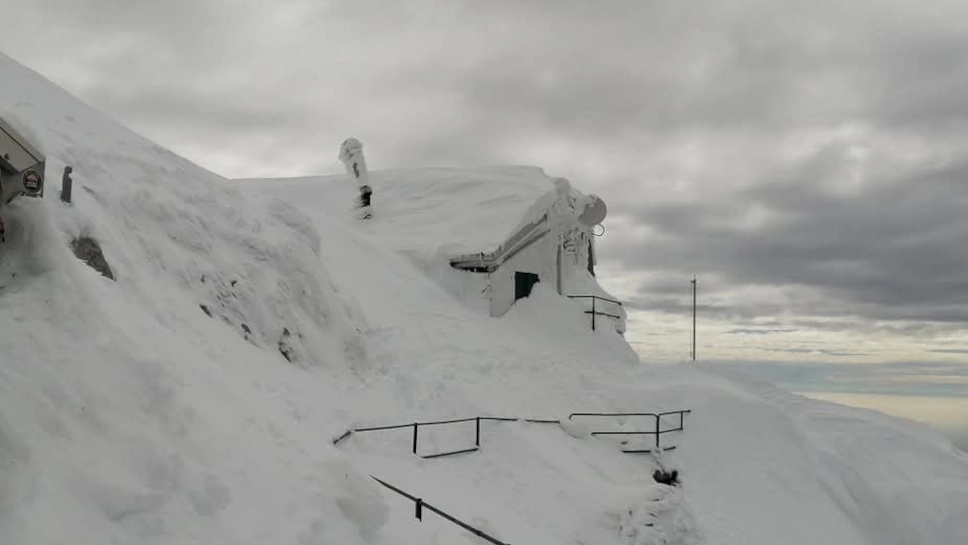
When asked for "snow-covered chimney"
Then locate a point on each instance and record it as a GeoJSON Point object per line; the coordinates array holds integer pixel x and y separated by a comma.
{"type": "Point", "coordinates": [351, 154]}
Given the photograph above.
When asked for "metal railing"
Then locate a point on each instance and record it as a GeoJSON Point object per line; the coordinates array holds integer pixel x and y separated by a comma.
{"type": "Point", "coordinates": [657, 432]}
{"type": "Point", "coordinates": [490, 261]}
{"type": "Point", "coordinates": [420, 505]}
{"type": "Point", "coordinates": [594, 311]}
{"type": "Point", "coordinates": [415, 427]}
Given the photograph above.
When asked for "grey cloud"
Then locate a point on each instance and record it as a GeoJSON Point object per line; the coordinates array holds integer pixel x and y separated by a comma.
{"type": "Point", "coordinates": [166, 105]}
{"type": "Point", "coordinates": [817, 351]}
{"type": "Point", "coordinates": [751, 331]}
{"type": "Point", "coordinates": [918, 82]}
{"type": "Point", "coordinates": [576, 71]}
{"type": "Point", "coordinates": [900, 378]}
{"type": "Point", "coordinates": [891, 249]}
{"type": "Point", "coordinates": [141, 15]}
{"type": "Point", "coordinates": [767, 74]}
{"type": "Point", "coordinates": [642, 66]}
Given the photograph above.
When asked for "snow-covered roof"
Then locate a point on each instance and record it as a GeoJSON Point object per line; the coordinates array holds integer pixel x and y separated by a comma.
{"type": "Point", "coordinates": [423, 210]}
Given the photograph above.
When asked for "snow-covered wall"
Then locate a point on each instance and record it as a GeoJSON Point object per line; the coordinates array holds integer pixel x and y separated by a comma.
{"type": "Point", "coordinates": [538, 258]}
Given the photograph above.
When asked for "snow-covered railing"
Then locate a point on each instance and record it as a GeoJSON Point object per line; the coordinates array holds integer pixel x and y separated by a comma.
{"type": "Point", "coordinates": [490, 261]}
{"type": "Point", "coordinates": [420, 505]}
{"type": "Point", "coordinates": [595, 312]}
{"type": "Point", "coordinates": [415, 426]}
{"type": "Point", "coordinates": [415, 429]}
{"type": "Point", "coordinates": [657, 432]}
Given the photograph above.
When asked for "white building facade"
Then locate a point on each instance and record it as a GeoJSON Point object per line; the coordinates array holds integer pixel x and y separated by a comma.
{"type": "Point", "coordinates": [554, 244]}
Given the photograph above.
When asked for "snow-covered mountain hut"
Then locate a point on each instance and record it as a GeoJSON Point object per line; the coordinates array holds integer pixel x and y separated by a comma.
{"type": "Point", "coordinates": [553, 243]}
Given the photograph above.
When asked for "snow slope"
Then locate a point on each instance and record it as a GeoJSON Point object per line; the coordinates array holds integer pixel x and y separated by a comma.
{"type": "Point", "coordinates": [126, 413]}
{"type": "Point", "coordinates": [131, 414]}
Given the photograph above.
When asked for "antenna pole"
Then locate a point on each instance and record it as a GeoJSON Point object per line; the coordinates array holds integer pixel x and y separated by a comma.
{"type": "Point", "coordinates": [695, 284]}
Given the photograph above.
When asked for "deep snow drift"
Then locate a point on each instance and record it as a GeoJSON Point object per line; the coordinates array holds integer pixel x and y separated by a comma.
{"type": "Point", "coordinates": [131, 414]}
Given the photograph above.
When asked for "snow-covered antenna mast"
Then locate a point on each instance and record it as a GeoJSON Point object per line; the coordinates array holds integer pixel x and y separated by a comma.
{"type": "Point", "coordinates": [351, 154]}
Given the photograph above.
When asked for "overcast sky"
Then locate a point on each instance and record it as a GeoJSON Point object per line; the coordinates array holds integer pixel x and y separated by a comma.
{"type": "Point", "coordinates": [808, 161]}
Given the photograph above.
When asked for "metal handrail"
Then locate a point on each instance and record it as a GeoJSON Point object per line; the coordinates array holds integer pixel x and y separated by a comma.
{"type": "Point", "coordinates": [420, 505]}
{"type": "Point", "coordinates": [594, 312]}
{"type": "Point", "coordinates": [657, 432]}
{"type": "Point", "coordinates": [490, 261]}
{"type": "Point", "coordinates": [415, 427]}
{"type": "Point", "coordinates": [619, 303]}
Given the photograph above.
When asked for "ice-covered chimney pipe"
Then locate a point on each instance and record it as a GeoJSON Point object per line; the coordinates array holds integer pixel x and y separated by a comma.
{"type": "Point", "coordinates": [351, 154]}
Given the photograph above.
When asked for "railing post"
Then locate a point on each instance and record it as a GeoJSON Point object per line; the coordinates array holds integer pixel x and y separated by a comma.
{"type": "Point", "coordinates": [66, 184]}
{"type": "Point", "coordinates": [415, 437]}
{"type": "Point", "coordinates": [657, 417]}
{"type": "Point", "coordinates": [418, 503]}
{"type": "Point", "coordinates": [477, 434]}
{"type": "Point", "coordinates": [593, 313]}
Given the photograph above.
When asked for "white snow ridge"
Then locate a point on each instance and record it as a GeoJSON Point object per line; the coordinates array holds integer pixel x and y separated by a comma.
{"type": "Point", "coordinates": [195, 397]}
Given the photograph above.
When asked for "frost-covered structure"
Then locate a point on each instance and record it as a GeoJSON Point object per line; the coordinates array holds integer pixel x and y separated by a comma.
{"type": "Point", "coordinates": [21, 166]}
{"type": "Point", "coordinates": [553, 243]}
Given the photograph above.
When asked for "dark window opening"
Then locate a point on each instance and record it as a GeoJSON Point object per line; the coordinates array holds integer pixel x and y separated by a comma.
{"type": "Point", "coordinates": [591, 259]}
{"type": "Point", "coordinates": [523, 282]}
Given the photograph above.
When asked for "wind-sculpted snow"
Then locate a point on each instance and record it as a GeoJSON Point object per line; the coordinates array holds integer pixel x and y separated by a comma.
{"type": "Point", "coordinates": [127, 412]}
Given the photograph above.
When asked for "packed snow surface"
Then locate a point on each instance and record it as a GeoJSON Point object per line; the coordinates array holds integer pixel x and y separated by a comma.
{"type": "Point", "coordinates": [195, 399]}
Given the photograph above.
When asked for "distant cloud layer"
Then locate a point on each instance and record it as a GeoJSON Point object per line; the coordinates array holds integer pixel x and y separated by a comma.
{"type": "Point", "coordinates": [807, 160]}
{"type": "Point", "coordinates": [901, 378]}
{"type": "Point", "coordinates": [928, 392]}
